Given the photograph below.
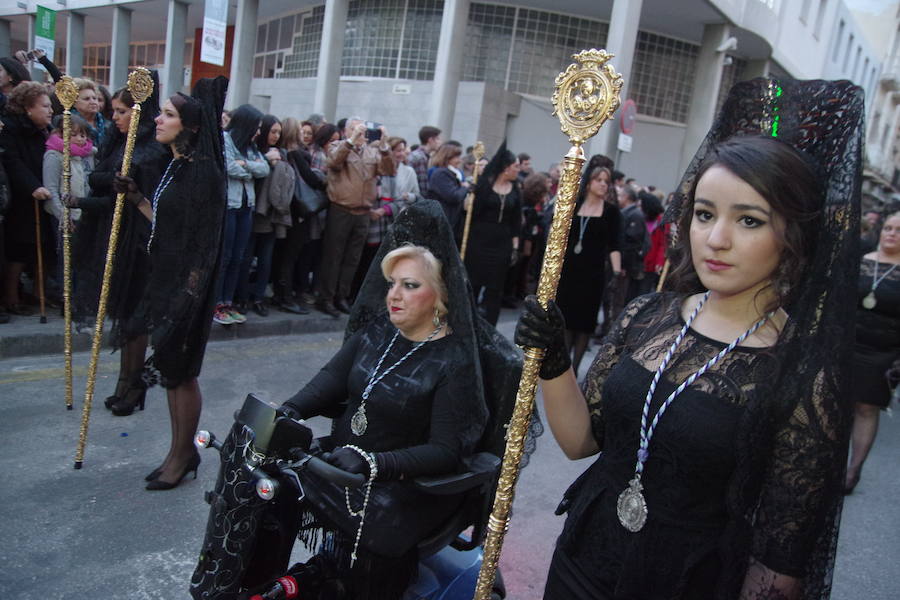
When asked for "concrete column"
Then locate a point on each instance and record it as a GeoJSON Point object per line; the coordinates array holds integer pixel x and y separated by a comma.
{"type": "Point", "coordinates": [176, 33]}
{"type": "Point", "coordinates": [36, 74]}
{"type": "Point", "coordinates": [331, 50]}
{"type": "Point", "coordinates": [120, 50]}
{"type": "Point", "coordinates": [448, 68]}
{"type": "Point", "coordinates": [75, 44]}
{"type": "Point", "coordinates": [242, 53]}
{"type": "Point", "coordinates": [887, 166]}
{"type": "Point", "coordinates": [707, 79]}
{"type": "Point", "coordinates": [5, 38]}
{"type": "Point", "coordinates": [623, 31]}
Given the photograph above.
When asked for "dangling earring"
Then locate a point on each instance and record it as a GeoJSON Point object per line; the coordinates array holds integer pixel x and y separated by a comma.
{"type": "Point", "coordinates": [437, 318]}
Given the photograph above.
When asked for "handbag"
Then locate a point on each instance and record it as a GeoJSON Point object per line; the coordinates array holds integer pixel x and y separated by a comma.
{"type": "Point", "coordinates": [310, 201]}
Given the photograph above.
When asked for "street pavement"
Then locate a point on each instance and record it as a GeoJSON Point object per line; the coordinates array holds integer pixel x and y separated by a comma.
{"type": "Point", "coordinates": [96, 533]}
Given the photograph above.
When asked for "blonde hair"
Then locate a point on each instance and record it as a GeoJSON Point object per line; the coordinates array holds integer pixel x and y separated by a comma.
{"type": "Point", "coordinates": [290, 134]}
{"type": "Point", "coordinates": [433, 270]}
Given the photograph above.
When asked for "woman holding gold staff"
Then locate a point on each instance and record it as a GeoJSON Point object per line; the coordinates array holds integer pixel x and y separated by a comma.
{"type": "Point", "coordinates": [720, 410]}
{"type": "Point", "coordinates": [494, 235]}
{"type": "Point", "coordinates": [91, 238]}
{"type": "Point", "coordinates": [185, 214]}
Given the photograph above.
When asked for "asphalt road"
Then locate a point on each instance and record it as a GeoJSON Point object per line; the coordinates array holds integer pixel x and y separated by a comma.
{"type": "Point", "coordinates": [96, 533]}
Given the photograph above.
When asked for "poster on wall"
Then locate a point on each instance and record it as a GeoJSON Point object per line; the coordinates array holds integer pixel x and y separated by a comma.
{"type": "Point", "coordinates": [215, 22]}
{"type": "Point", "coordinates": [44, 33]}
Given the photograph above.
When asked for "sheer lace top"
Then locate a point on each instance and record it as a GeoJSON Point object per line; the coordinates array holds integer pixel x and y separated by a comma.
{"type": "Point", "coordinates": [690, 475]}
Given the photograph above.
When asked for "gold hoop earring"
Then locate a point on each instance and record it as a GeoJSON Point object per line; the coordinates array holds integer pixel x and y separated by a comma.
{"type": "Point", "coordinates": [437, 318]}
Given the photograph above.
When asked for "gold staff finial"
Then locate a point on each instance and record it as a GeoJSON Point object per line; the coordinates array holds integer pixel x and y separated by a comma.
{"type": "Point", "coordinates": [67, 92]}
{"type": "Point", "coordinates": [478, 153]}
{"type": "Point", "coordinates": [586, 96]}
{"type": "Point", "coordinates": [140, 85]}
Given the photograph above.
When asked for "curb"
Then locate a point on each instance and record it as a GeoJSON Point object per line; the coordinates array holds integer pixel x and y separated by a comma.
{"type": "Point", "coordinates": [26, 336]}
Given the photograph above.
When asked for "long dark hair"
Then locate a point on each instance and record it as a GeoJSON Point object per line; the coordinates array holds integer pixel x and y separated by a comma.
{"type": "Point", "coordinates": [788, 182]}
{"type": "Point", "coordinates": [245, 121]}
{"type": "Point", "coordinates": [262, 138]}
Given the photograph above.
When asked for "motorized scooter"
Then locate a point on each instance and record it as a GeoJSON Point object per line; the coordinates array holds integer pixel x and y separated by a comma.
{"type": "Point", "coordinates": [260, 487]}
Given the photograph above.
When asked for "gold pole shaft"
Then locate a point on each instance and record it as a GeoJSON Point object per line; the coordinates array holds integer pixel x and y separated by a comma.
{"type": "Point", "coordinates": [39, 276]}
{"type": "Point", "coordinates": [67, 255]}
{"type": "Point", "coordinates": [104, 288]}
{"type": "Point", "coordinates": [663, 275]}
{"type": "Point", "coordinates": [478, 153]}
{"type": "Point", "coordinates": [586, 95]}
{"type": "Point", "coordinates": [518, 425]}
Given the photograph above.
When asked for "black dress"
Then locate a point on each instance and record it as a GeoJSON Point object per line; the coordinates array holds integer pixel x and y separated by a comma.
{"type": "Point", "coordinates": [185, 248]}
{"type": "Point", "coordinates": [423, 414]}
{"type": "Point", "coordinates": [877, 335]}
{"type": "Point", "coordinates": [23, 146]}
{"type": "Point", "coordinates": [91, 238]}
{"type": "Point", "coordinates": [496, 220]}
{"type": "Point", "coordinates": [692, 545]}
{"type": "Point", "coordinates": [582, 282]}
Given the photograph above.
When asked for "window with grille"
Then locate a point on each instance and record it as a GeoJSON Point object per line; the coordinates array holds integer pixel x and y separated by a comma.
{"type": "Point", "coordinates": [662, 76]}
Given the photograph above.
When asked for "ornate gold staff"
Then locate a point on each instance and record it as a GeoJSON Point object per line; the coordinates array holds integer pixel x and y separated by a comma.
{"type": "Point", "coordinates": [140, 84]}
{"type": "Point", "coordinates": [67, 92]}
{"type": "Point", "coordinates": [478, 153]}
{"type": "Point", "coordinates": [586, 95]}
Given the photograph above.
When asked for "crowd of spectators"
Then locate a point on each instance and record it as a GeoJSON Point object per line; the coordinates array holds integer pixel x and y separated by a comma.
{"type": "Point", "coordinates": [308, 204]}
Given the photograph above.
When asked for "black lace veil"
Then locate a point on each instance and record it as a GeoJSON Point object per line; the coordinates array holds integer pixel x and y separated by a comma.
{"type": "Point", "coordinates": [805, 415]}
{"type": "Point", "coordinates": [500, 364]}
{"type": "Point", "coordinates": [91, 237]}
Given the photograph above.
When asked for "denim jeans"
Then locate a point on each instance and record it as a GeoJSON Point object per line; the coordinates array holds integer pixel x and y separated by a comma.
{"type": "Point", "coordinates": [237, 232]}
{"type": "Point", "coordinates": [260, 246]}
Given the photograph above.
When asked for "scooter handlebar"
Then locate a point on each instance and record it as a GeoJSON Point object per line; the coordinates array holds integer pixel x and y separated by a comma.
{"type": "Point", "coordinates": [333, 474]}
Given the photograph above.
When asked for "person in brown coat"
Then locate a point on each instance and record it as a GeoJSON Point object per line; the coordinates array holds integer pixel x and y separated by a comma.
{"type": "Point", "coordinates": [353, 168]}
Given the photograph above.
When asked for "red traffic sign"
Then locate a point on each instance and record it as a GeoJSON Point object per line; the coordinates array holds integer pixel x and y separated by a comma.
{"type": "Point", "coordinates": [627, 116]}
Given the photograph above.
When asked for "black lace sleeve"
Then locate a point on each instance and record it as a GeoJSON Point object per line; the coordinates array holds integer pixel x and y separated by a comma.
{"type": "Point", "coordinates": [791, 513]}
{"type": "Point", "coordinates": [608, 355]}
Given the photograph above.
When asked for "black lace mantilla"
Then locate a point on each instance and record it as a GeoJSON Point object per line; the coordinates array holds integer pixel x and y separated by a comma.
{"type": "Point", "coordinates": [754, 490]}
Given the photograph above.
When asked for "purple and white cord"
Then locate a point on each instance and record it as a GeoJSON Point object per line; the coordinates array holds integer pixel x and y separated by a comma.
{"type": "Point", "coordinates": [647, 432]}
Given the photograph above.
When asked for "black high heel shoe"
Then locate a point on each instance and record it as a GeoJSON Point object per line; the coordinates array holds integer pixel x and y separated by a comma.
{"type": "Point", "coordinates": [159, 484]}
{"type": "Point", "coordinates": [153, 474]}
{"type": "Point", "coordinates": [134, 397]}
{"type": "Point", "coordinates": [110, 400]}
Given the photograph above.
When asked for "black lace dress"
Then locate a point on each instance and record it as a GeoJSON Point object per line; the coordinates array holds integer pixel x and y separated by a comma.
{"type": "Point", "coordinates": [184, 256]}
{"type": "Point", "coordinates": [496, 220]}
{"type": "Point", "coordinates": [877, 334]}
{"type": "Point", "coordinates": [583, 280]}
{"type": "Point", "coordinates": [424, 414]}
{"type": "Point", "coordinates": [692, 545]}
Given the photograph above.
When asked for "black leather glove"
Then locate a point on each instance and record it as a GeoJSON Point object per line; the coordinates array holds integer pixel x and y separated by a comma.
{"type": "Point", "coordinates": [546, 329]}
{"type": "Point", "coordinates": [126, 185]}
{"type": "Point", "coordinates": [348, 460]}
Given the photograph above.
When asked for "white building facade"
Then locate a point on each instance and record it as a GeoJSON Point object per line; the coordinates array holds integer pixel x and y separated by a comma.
{"type": "Point", "coordinates": [484, 70]}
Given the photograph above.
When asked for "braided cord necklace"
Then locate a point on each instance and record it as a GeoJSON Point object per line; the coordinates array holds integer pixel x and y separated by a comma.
{"type": "Point", "coordinates": [359, 422]}
{"type": "Point", "coordinates": [631, 506]}
{"type": "Point", "coordinates": [163, 184]}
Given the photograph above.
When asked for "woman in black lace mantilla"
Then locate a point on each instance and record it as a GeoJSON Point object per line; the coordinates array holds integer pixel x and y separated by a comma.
{"type": "Point", "coordinates": [185, 214]}
{"type": "Point", "coordinates": [91, 239]}
{"type": "Point", "coordinates": [719, 409]}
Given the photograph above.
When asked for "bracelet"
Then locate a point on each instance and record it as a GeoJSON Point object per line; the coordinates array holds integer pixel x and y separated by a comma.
{"type": "Point", "coordinates": [361, 513]}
